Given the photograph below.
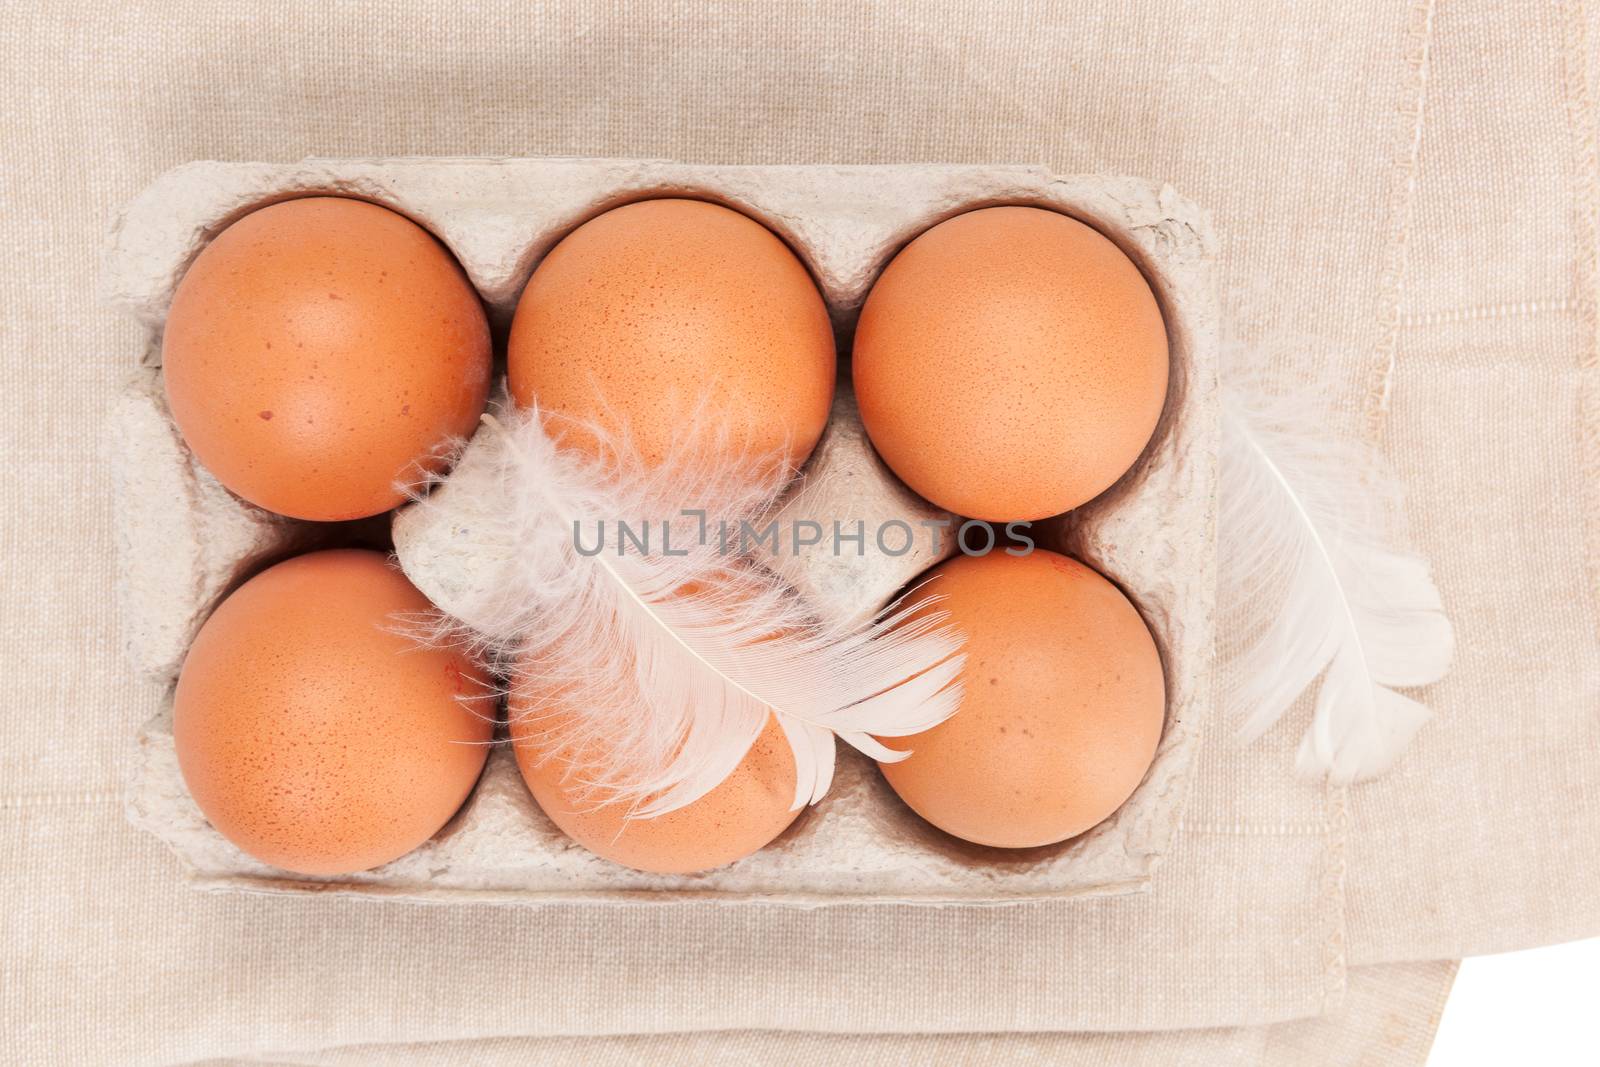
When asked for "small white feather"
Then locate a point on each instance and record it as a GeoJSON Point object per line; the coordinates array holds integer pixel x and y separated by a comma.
{"type": "Point", "coordinates": [1313, 586]}
{"type": "Point", "coordinates": [673, 661]}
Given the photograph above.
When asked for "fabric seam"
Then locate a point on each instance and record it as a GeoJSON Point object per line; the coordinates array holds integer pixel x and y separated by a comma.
{"type": "Point", "coordinates": [1397, 220]}
{"type": "Point", "coordinates": [1391, 285]}
{"type": "Point", "coordinates": [1581, 122]}
{"type": "Point", "coordinates": [59, 800]}
{"type": "Point", "coordinates": [1334, 949]}
{"type": "Point", "coordinates": [1515, 309]}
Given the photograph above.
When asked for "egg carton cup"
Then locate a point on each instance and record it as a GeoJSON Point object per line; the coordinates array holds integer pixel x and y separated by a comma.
{"type": "Point", "coordinates": [184, 541]}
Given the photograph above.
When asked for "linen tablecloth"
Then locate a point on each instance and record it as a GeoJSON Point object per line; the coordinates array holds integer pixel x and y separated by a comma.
{"type": "Point", "coordinates": [1405, 197]}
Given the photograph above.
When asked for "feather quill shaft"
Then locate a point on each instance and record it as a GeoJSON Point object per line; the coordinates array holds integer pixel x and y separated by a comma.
{"type": "Point", "coordinates": [1313, 590]}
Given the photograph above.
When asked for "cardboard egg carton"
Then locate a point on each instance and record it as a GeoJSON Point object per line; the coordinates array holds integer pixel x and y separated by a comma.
{"type": "Point", "coordinates": [185, 541]}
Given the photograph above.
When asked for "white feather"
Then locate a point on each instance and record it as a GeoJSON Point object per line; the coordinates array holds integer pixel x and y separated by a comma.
{"type": "Point", "coordinates": [1312, 585]}
{"type": "Point", "coordinates": [675, 662]}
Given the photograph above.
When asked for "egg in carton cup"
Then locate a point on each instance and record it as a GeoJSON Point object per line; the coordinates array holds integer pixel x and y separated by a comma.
{"type": "Point", "coordinates": [185, 541]}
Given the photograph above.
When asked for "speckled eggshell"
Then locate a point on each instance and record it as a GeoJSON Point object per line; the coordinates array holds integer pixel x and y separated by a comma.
{"type": "Point", "coordinates": [1062, 707]}
{"type": "Point", "coordinates": [1011, 363]}
{"type": "Point", "coordinates": [661, 312]}
{"type": "Point", "coordinates": [737, 818]}
{"type": "Point", "coordinates": [315, 737]}
{"type": "Point", "coordinates": [317, 350]}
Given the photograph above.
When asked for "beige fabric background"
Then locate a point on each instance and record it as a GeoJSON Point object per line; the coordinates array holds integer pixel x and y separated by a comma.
{"type": "Point", "coordinates": [1388, 1020]}
{"type": "Point", "coordinates": [1406, 190]}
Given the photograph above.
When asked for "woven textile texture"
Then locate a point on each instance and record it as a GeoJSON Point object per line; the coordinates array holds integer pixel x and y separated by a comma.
{"type": "Point", "coordinates": [1388, 1020]}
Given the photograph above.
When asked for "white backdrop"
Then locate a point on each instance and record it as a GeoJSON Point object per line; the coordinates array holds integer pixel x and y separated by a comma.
{"type": "Point", "coordinates": [1539, 1006]}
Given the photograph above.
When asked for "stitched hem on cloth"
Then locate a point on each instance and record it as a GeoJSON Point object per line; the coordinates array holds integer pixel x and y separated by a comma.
{"type": "Point", "coordinates": [1410, 110]}
{"type": "Point", "coordinates": [1581, 122]}
{"type": "Point", "coordinates": [1397, 221]}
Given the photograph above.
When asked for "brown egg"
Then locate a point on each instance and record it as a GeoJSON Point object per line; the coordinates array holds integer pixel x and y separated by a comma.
{"type": "Point", "coordinates": [1010, 364]}
{"type": "Point", "coordinates": [737, 818]}
{"type": "Point", "coordinates": [311, 734]}
{"type": "Point", "coordinates": [659, 311]}
{"type": "Point", "coordinates": [317, 350]}
{"type": "Point", "coordinates": [1062, 707]}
